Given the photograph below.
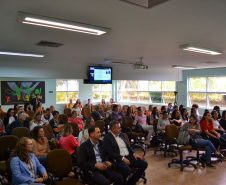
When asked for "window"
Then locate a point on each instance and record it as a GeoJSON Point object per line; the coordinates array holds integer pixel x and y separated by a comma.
{"type": "Point", "coordinates": [207, 91]}
{"type": "Point", "coordinates": [101, 91]}
{"type": "Point", "coordinates": [66, 90]}
{"type": "Point", "coordinates": [161, 92]}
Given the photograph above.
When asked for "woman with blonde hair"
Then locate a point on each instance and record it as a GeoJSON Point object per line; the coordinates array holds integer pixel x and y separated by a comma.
{"type": "Point", "coordinates": [24, 164]}
{"type": "Point", "coordinates": [68, 142]}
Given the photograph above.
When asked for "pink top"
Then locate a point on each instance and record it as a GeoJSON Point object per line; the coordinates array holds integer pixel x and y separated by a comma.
{"type": "Point", "coordinates": [141, 120]}
{"type": "Point", "coordinates": [78, 121]}
{"type": "Point", "coordinates": [69, 143]}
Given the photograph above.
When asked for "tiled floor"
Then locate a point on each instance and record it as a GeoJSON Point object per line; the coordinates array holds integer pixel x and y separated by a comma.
{"type": "Point", "coordinates": [158, 172]}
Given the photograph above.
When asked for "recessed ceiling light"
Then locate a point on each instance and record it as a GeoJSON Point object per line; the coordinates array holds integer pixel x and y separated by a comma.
{"type": "Point", "coordinates": [183, 67]}
{"type": "Point", "coordinates": [61, 24]}
{"type": "Point", "coordinates": [20, 54]}
{"type": "Point", "coordinates": [198, 49]}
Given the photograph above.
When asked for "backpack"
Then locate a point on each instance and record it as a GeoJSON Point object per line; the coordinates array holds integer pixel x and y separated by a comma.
{"type": "Point", "coordinates": [183, 137]}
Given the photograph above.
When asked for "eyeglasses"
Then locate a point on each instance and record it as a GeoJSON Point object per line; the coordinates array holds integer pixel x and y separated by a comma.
{"type": "Point", "coordinates": [30, 144]}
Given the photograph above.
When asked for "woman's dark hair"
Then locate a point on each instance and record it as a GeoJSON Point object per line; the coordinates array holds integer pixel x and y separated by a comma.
{"type": "Point", "coordinates": [173, 116]}
{"type": "Point", "coordinates": [55, 112]}
{"type": "Point", "coordinates": [184, 117]}
{"type": "Point", "coordinates": [114, 106]}
{"type": "Point", "coordinates": [216, 108]}
{"type": "Point", "coordinates": [129, 108]}
{"type": "Point", "coordinates": [203, 117]}
{"type": "Point", "coordinates": [78, 102]}
{"type": "Point", "coordinates": [74, 112]}
{"type": "Point", "coordinates": [35, 134]}
{"type": "Point", "coordinates": [164, 112]}
{"type": "Point", "coordinates": [39, 103]}
{"type": "Point", "coordinates": [181, 107]}
{"type": "Point", "coordinates": [224, 114]}
{"type": "Point", "coordinates": [175, 107]}
{"type": "Point", "coordinates": [162, 108]}
{"type": "Point", "coordinates": [213, 113]}
{"type": "Point", "coordinates": [21, 150]}
{"type": "Point", "coordinates": [206, 110]}
{"type": "Point", "coordinates": [155, 113]}
{"type": "Point", "coordinates": [16, 106]}
{"type": "Point", "coordinates": [150, 107]}
{"type": "Point", "coordinates": [195, 106]}
{"type": "Point", "coordinates": [194, 117]}
{"type": "Point", "coordinates": [25, 106]}
{"type": "Point", "coordinates": [9, 110]}
{"type": "Point", "coordinates": [75, 105]}
{"type": "Point", "coordinates": [193, 110]}
{"type": "Point", "coordinates": [88, 120]}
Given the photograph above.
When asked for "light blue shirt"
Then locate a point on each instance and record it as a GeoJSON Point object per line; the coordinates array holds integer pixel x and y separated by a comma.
{"type": "Point", "coordinates": [97, 152]}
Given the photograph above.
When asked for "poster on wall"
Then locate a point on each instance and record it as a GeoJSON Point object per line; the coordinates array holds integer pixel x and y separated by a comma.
{"type": "Point", "coordinates": [21, 92]}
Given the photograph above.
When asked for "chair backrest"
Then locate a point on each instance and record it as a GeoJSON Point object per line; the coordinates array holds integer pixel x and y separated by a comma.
{"type": "Point", "coordinates": [63, 117]}
{"type": "Point", "coordinates": [100, 124]}
{"type": "Point", "coordinates": [7, 142]}
{"type": "Point", "coordinates": [54, 143]}
{"type": "Point", "coordinates": [127, 138]}
{"type": "Point", "coordinates": [30, 113]}
{"type": "Point", "coordinates": [87, 113]}
{"type": "Point", "coordinates": [125, 107]}
{"type": "Point", "coordinates": [171, 131]}
{"type": "Point", "coordinates": [48, 131]}
{"type": "Point", "coordinates": [21, 132]}
{"type": "Point", "coordinates": [127, 121]}
{"type": "Point", "coordinates": [59, 162]}
{"type": "Point", "coordinates": [75, 128]}
{"type": "Point", "coordinates": [29, 118]}
{"type": "Point", "coordinates": [155, 123]}
{"type": "Point", "coordinates": [3, 115]}
{"type": "Point", "coordinates": [8, 170]}
{"type": "Point", "coordinates": [67, 111]}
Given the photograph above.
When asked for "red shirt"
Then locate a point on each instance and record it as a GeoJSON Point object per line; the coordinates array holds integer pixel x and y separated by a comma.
{"type": "Point", "coordinates": [205, 126]}
{"type": "Point", "coordinates": [78, 121]}
{"type": "Point", "coordinates": [69, 143]}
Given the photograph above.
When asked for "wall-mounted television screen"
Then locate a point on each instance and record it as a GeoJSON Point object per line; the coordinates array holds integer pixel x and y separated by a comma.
{"type": "Point", "coordinates": [100, 75]}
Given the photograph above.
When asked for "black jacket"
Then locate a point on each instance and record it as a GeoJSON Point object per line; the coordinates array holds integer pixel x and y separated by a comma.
{"type": "Point", "coordinates": [33, 103]}
{"type": "Point", "coordinates": [16, 124]}
{"type": "Point", "coordinates": [87, 158]}
{"type": "Point", "coordinates": [111, 147]}
{"type": "Point", "coordinates": [6, 120]}
{"type": "Point", "coordinates": [96, 115]}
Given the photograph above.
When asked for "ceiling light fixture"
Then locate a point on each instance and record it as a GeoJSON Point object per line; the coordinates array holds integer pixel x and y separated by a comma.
{"type": "Point", "coordinates": [20, 54]}
{"type": "Point", "coordinates": [61, 24]}
{"type": "Point", "coordinates": [197, 49]}
{"type": "Point", "coordinates": [183, 67]}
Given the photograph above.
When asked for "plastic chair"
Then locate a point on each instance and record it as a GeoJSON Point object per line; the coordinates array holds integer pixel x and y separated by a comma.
{"type": "Point", "coordinates": [67, 111]}
{"type": "Point", "coordinates": [64, 118]}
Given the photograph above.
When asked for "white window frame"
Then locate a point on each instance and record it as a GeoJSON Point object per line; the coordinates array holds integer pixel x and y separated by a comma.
{"type": "Point", "coordinates": [100, 90]}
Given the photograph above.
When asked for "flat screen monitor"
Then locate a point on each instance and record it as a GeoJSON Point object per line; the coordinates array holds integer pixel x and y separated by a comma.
{"type": "Point", "coordinates": [100, 75]}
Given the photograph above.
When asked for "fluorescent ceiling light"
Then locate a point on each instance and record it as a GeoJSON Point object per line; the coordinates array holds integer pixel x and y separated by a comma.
{"type": "Point", "coordinates": [61, 24]}
{"type": "Point", "coordinates": [20, 54]}
{"type": "Point", "coordinates": [183, 67]}
{"type": "Point", "coordinates": [197, 49]}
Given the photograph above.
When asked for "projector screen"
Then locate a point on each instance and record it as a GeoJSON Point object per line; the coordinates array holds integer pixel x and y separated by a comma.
{"type": "Point", "coordinates": [100, 75]}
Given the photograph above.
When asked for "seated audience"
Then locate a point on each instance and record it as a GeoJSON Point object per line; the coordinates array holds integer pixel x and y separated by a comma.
{"type": "Point", "coordinates": [75, 119]}
{"type": "Point", "coordinates": [217, 108]}
{"type": "Point", "coordinates": [20, 122]}
{"type": "Point", "coordinates": [175, 107]}
{"type": "Point", "coordinates": [2, 128]}
{"type": "Point", "coordinates": [79, 103]}
{"type": "Point", "coordinates": [52, 108]}
{"type": "Point", "coordinates": [34, 102]}
{"type": "Point", "coordinates": [103, 103]}
{"type": "Point", "coordinates": [129, 113]}
{"type": "Point", "coordinates": [89, 104]}
{"type": "Point", "coordinates": [20, 108]}
{"type": "Point", "coordinates": [116, 114]}
{"type": "Point", "coordinates": [194, 129]}
{"type": "Point", "coordinates": [181, 107]}
{"type": "Point", "coordinates": [207, 128]}
{"type": "Point", "coordinates": [170, 109]}
{"type": "Point", "coordinates": [196, 106]}
{"type": "Point", "coordinates": [56, 124]}
{"type": "Point", "coordinates": [70, 104]}
{"type": "Point", "coordinates": [47, 116]}
{"type": "Point", "coordinates": [27, 107]}
{"type": "Point", "coordinates": [154, 115]}
{"type": "Point", "coordinates": [111, 101]}
{"type": "Point", "coordinates": [39, 108]}
{"type": "Point", "coordinates": [76, 109]}
{"type": "Point", "coordinates": [162, 122]}
{"type": "Point", "coordinates": [149, 111]}
{"type": "Point", "coordinates": [16, 106]}
{"type": "Point", "coordinates": [175, 119]}
{"type": "Point", "coordinates": [10, 117]}
{"type": "Point", "coordinates": [163, 108]}
{"type": "Point", "coordinates": [117, 147]}
{"type": "Point", "coordinates": [84, 135]}
{"type": "Point", "coordinates": [68, 142]}
{"type": "Point", "coordinates": [184, 115]}
{"type": "Point", "coordinates": [97, 114]}
{"type": "Point", "coordinates": [141, 119]}
{"type": "Point", "coordinates": [40, 145]}
{"type": "Point", "coordinates": [216, 124]}
{"type": "Point", "coordinates": [37, 121]}
{"type": "Point", "coordinates": [223, 120]}
{"type": "Point", "coordinates": [24, 165]}
{"type": "Point", "coordinates": [92, 157]}
{"type": "Point", "coordinates": [195, 112]}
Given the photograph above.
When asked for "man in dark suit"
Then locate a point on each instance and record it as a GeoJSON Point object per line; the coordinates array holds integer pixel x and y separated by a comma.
{"type": "Point", "coordinates": [92, 157]}
{"type": "Point", "coordinates": [117, 147]}
{"type": "Point", "coordinates": [97, 114]}
{"type": "Point", "coordinates": [20, 122]}
{"type": "Point", "coordinates": [34, 102]}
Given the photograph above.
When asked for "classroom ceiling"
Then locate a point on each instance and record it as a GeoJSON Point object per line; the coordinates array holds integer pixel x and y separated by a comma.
{"type": "Point", "coordinates": [153, 33]}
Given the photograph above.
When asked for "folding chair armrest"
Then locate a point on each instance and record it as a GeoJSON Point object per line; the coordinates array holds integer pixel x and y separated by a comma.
{"type": "Point", "coordinates": [139, 146]}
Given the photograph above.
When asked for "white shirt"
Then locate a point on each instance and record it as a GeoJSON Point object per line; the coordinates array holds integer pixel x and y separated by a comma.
{"type": "Point", "coordinates": [216, 124]}
{"type": "Point", "coordinates": [122, 146]}
{"type": "Point", "coordinates": [11, 119]}
{"type": "Point", "coordinates": [36, 124]}
{"type": "Point", "coordinates": [45, 120]}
